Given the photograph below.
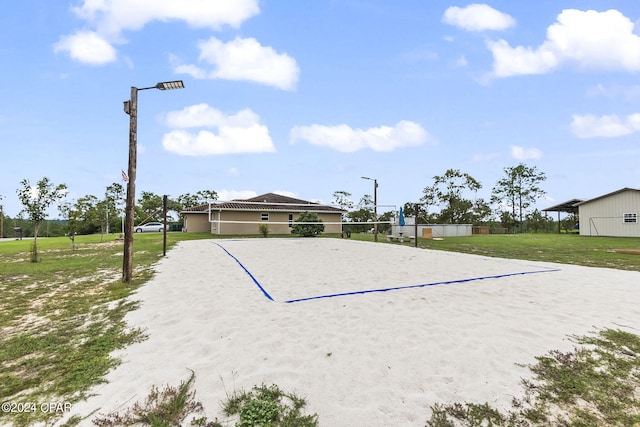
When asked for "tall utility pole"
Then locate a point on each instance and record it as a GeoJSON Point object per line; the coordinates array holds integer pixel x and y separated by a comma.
{"type": "Point", "coordinates": [131, 108]}
{"type": "Point", "coordinates": [1, 220]}
{"type": "Point", "coordinates": [164, 228]}
{"type": "Point", "coordinates": [375, 207]}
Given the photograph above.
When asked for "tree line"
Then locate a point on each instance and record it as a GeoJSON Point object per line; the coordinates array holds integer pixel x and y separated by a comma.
{"type": "Point", "coordinates": [89, 214]}
{"type": "Point", "coordinates": [451, 199]}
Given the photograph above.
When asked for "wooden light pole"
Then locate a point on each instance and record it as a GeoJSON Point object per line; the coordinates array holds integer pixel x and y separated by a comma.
{"type": "Point", "coordinates": [131, 108]}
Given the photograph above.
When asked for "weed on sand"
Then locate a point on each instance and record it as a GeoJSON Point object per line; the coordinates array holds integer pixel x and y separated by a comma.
{"type": "Point", "coordinates": [596, 384]}
{"type": "Point", "coordinates": [173, 406]}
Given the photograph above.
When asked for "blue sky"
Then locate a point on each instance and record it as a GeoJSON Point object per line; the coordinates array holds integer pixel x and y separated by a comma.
{"type": "Point", "coordinates": [306, 97]}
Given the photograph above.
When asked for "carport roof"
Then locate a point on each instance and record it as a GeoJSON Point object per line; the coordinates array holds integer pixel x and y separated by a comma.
{"type": "Point", "coordinates": [570, 206]}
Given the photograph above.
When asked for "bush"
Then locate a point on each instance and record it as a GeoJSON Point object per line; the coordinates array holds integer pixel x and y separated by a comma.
{"type": "Point", "coordinates": [263, 229]}
{"type": "Point", "coordinates": [305, 229]}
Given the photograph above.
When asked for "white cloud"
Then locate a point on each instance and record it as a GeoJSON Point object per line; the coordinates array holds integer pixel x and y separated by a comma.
{"type": "Point", "coordinates": [192, 70]}
{"type": "Point", "coordinates": [587, 39]}
{"type": "Point", "coordinates": [108, 19]}
{"type": "Point", "coordinates": [87, 47]}
{"type": "Point", "coordinates": [236, 133]}
{"type": "Point", "coordinates": [244, 59]}
{"type": "Point", "coordinates": [521, 153]}
{"type": "Point", "coordinates": [203, 115]}
{"type": "Point", "coordinates": [346, 139]}
{"type": "Point", "coordinates": [607, 126]}
{"type": "Point", "coordinates": [477, 17]}
{"type": "Point", "coordinates": [254, 139]}
{"type": "Point", "coordinates": [508, 61]}
{"type": "Point", "coordinates": [114, 16]}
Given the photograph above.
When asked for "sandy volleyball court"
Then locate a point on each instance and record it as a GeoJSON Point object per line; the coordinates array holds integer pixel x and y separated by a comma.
{"type": "Point", "coordinates": [376, 334]}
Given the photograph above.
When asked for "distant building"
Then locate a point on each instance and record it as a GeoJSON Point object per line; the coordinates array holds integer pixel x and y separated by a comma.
{"type": "Point", "coordinates": [613, 214]}
{"type": "Point", "coordinates": [244, 216]}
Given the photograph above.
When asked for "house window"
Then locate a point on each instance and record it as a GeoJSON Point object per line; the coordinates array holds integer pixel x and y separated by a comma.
{"type": "Point", "coordinates": [290, 220]}
{"type": "Point", "coordinates": [265, 216]}
{"type": "Point", "coordinates": [630, 218]}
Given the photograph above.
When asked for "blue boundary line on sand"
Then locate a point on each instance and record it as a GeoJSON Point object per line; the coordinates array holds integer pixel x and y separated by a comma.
{"type": "Point", "coordinates": [371, 291]}
{"type": "Point", "coordinates": [266, 294]}
{"type": "Point", "coordinates": [424, 285]}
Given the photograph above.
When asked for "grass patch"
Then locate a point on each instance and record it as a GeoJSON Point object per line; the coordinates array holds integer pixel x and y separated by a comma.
{"type": "Point", "coordinates": [606, 252]}
{"type": "Point", "coordinates": [596, 384]}
{"type": "Point", "coordinates": [60, 318]}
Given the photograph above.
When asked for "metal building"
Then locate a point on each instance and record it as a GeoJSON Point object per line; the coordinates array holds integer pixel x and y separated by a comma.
{"type": "Point", "coordinates": [613, 214]}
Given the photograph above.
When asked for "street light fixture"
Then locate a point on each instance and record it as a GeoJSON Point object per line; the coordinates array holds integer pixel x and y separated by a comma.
{"type": "Point", "coordinates": [131, 108]}
{"type": "Point", "coordinates": [177, 84]}
{"type": "Point", "coordinates": [375, 207]}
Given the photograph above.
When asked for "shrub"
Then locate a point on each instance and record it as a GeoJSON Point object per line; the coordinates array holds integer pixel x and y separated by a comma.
{"type": "Point", "coordinates": [263, 229]}
{"type": "Point", "coordinates": [305, 229]}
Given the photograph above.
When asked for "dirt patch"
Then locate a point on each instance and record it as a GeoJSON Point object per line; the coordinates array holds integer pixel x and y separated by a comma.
{"type": "Point", "coordinates": [628, 251]}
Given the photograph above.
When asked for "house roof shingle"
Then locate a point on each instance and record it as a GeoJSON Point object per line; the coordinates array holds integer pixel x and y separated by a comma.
{"type": "Point", "coordinates": [267, 202]}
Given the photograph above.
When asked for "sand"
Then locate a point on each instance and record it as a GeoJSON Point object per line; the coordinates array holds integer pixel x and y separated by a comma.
{"type": "Point", "coordinates": [360, 359]}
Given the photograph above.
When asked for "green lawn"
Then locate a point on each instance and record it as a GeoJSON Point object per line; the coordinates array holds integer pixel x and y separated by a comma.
{"type": "Point", "coordinates": [561, 248]}
{"type": "Point", "coordinates": [60, 318]}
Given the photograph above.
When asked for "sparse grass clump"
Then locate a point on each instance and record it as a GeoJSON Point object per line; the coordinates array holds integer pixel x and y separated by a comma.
{"type": "Point", "coordinates": [170, 407]}
{"type": "Point", "coordinates": [596, 384]}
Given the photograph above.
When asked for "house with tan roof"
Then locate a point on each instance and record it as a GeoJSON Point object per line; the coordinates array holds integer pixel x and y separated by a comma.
{"type": "Point", "coordinates": [245, 216]}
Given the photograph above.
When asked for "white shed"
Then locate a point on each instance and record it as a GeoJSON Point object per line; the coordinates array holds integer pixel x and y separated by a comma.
{"type": "Point", "coordinates": [613, 214]}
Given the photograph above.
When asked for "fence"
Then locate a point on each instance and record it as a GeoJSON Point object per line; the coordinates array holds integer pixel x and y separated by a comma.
{"type": "Point", "coordinates": [437, 230]}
